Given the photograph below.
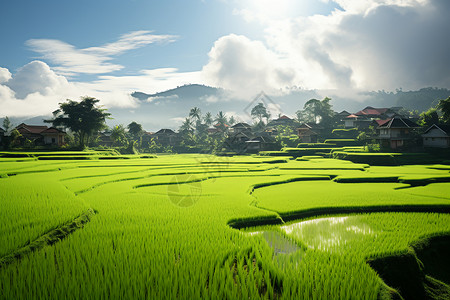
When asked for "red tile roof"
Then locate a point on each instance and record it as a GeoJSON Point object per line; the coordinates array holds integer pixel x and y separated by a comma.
{"type": "Point", "coordinates": [371, 111]}
{"type": "Point", "coordinates": [381, 122]}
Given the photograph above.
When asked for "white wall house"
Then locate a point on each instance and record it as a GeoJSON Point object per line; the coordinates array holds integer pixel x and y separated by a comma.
{"type": "Point", "coordinates": [437, 136]}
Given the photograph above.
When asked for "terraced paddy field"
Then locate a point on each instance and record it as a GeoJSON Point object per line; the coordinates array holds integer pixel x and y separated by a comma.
{"type": "Point", "coordinates": [200, 226]}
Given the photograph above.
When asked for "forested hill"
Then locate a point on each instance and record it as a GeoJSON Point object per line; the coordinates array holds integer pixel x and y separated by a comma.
{"type": "Point", "coordinates": [420, 100]}
{"type": "Point", "coordinates": [188, 91]}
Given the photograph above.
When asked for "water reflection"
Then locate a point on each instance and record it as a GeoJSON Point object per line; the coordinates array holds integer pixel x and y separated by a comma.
{"type": "Point", "coordinates": [328, 233]}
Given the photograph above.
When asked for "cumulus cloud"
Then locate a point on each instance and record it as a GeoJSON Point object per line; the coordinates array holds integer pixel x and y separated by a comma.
{"type": "Point", "coordinates": [365, 45]}
{"type": "Point", "coordinates": [240, 64]}
{"type": "Point", "coordinates": [5, 75]}
{"type": "Point", "coordinates": [35, 89]}
{"type": "Point", "coordinates": [36, 77]}
{"type": "Point", "coordinates": [69, 60]}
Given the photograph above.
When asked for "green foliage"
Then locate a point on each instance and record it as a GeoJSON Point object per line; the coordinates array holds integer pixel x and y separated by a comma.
{"type": "Point", "coordinates": [259, 112]}
{"type": "Point", "coordinates": [118, 135]}
{"type": "Point", "coordinates": [444, 106]}
{"type": "Point", "coordinates": [84, 118]}
{"type": "Point", "coordinates": [317, 112]}
{"type": "Point", "coordinates": [135, 130]}
{"type": "Point", "coordinates": [429, 117]}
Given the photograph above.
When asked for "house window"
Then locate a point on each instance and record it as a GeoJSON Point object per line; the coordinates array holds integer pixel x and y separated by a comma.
{"type": "Point", "coordinates": [53, 140]}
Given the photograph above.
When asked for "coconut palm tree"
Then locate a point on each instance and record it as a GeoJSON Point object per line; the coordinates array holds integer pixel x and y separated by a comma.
{"type": "Point", "coordinates": [195, 113]}
{"type": "Point", "coordinates": [208, 119]}
{"type": "Point", "coordinates": [186, 127]}
{"type": "Point", "coordinates": [221, 118]}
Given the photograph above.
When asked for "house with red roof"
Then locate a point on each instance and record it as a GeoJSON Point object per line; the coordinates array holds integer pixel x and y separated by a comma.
{"type": "Point", "coordinates": [41, 135]}
{"type": "Point", "coordinates": [396, 133]}
{"type": "Point", "coordinates": [283, 121]}
{"type": "Point", "coordinates": [364, 118]}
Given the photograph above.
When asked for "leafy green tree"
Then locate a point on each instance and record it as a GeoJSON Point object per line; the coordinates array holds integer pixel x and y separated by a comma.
{"type": "Point", "coordinates": [444, 106]}
{"type": "Point", "coordinates": [135, 130]}
{"type": "Point", "coordinates": [118, 135]}
{"type": "Point", "coordinates": [259, 112]}
{"type": "Point", "coordinates": [232, 121]}
{"type": "Point", "coordinates": [429, 117]}
{"type": "Point", "coordinates": [316, 111]}
{"type": "Point", "coordinates": [7, 126]}
{"type": "Point", "coordinates": [84, 118]}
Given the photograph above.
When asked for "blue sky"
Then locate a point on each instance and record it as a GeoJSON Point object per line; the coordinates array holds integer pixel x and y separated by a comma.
{"type": "Point", "coordinates": [52, 50]}
{"type": "Point", "coordinates": [195, 25]}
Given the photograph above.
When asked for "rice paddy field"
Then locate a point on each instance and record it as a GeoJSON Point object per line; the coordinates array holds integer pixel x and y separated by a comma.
{"type": "Point", "coordinates": [102, 226]}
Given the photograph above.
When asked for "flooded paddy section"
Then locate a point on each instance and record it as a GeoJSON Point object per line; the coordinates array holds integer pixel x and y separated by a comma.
{"type": "Point", "coordinates": [364, 235]}
{"type": "Point", "coordinates": [325, 233]}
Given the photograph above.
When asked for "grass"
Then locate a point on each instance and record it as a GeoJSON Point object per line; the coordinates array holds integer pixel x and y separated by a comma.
{"type": "Point", "coordinates": [161, 226]}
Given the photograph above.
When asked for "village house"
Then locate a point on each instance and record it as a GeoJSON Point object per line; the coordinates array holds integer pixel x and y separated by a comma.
{"type": "Point", "coordinates": [282, 121]}
{"type": "Point", "coordinates": [364, 118]}
{"type": "Point", "coordinates": [104, 139]}
{"type": "Point", "coordinates": [166, 137]}
{"type": "Point", "coordinates": [437, 136]}
{"type": "Point", "coordinates": [261, 143]}
{"type": "Point", "coordinates": [309, 132]}
{"type": "Point", "coordinates": [146, 138]}
{"type": "Point", "coordinates": [241, 128]}
{"type": "Point", "coordinates": [41, 135]}
{"type": "Point", "coordinates": [217, 129]}
{"type": "Point", "coordinates": [396, 132]}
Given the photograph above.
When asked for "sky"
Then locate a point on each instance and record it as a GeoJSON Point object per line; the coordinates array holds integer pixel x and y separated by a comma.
{"type": "Point", "coordinates": [52, 50]}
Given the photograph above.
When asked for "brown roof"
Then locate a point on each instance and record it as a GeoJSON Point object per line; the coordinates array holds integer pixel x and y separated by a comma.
{"type": "Point", "coordinates": [284, 117]}
{"type": "Point", "coordinates": [31, 128]}
{"type": "Point", "coordinates": [397, 122]}
{"type": "Point", "coordinates": [52, 130]}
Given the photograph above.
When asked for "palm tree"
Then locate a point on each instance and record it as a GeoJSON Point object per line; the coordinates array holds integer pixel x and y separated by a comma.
{"type": "Point", "coordinates": [221, 118]}
{"type": "Point", "coordinates": [231, 121]}
{"type": "Point", "coordinates": [208, 119]}
{"type": "Point", "coordinates": [187, 126]}
{"type": "Point", "coordinates": [195, 113]}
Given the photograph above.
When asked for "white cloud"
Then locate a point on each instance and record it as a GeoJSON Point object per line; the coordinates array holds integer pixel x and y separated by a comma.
{"type": "Point", "coordinates": [5, 75]}
{"type": "Point", "coordinates": [239, 64]}
{"type": "Point", "coordinates": [36, 89]}
{"type": "Point", "coordinates": [370, 45]}
{"type": "Point", "coordinates": [69, 60]}
{"type": "Point", "coordinates": [36, 77]}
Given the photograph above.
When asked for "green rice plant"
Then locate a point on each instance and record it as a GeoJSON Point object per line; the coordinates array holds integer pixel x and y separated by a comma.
{"type": "Point", "coordinates": [31, 206]}
{"type": "Point", "coordinates": [142, 244]}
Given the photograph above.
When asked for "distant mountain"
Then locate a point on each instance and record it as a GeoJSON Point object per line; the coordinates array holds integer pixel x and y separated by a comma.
{"type": "Point", "coordinates": [169, 108]}
{"type": "Point", "coordinates": [186, 91]}
{"type": "Point", "coordinates": [420, 100]}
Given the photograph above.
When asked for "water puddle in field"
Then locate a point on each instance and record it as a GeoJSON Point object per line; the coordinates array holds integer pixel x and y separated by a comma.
{"type": "Point", "coordinates": [326, 234]}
